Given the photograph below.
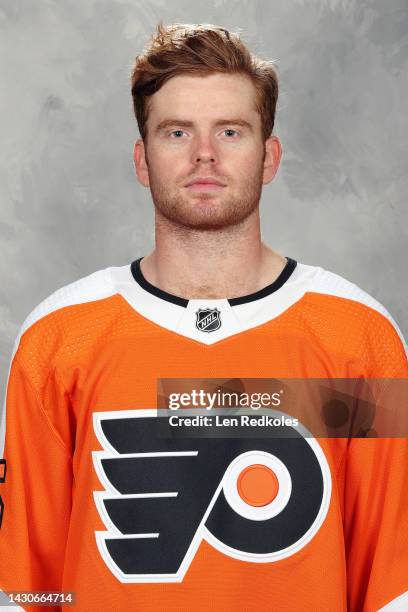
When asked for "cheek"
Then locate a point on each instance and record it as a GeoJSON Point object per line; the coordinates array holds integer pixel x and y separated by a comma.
{"type": "Point", "coordinates": [169, 172]}
{"type": "Point", "coordinates": [169, 161]}
{"type": "Point", "coordinates": [246, 166]}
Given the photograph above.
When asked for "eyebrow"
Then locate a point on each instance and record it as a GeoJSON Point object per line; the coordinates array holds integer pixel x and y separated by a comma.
{"type": "Point", "coordinates": [184, 123]}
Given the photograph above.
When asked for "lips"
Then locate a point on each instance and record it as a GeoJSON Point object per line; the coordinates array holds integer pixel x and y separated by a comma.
{"type": "Point", "coordinates": [205, 183]}
{"type": "Point", "coordinates": [205, 180]}
{"type": "Point", "coordinates": [197, 187]}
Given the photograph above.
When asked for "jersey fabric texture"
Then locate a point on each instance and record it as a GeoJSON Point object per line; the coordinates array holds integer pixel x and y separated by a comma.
{"type": "Point", "coordinates": [93, 501]}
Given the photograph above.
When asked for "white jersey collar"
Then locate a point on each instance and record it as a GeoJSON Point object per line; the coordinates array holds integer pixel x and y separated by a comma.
{"type": "Point", "coordinates": [210, 320]}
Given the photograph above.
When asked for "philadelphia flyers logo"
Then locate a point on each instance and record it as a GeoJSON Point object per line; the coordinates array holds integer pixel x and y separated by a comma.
{"type": "Point", "coordinates": [255, 499]}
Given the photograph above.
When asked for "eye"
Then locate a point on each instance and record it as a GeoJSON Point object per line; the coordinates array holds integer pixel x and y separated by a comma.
{"type": "Point", "coordinates": [230, 130]}
{"type": "Point", "coordinates": [176, 132]}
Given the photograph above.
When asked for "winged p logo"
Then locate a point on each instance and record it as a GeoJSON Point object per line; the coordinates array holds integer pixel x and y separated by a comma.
{"type": "Point", "coordinates": [162, 496]}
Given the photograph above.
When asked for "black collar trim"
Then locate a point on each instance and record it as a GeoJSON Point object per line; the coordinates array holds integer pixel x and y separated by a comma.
{"type": "Point", "coordinates": [179, 301]}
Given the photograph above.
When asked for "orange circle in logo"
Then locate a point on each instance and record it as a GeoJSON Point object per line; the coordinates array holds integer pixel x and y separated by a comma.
{"type": "Point", "coordinates": [257, 485]}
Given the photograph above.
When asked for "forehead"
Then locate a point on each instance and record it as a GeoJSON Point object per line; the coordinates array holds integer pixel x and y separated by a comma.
{"type": "Point", "coordinates": [204, 96]}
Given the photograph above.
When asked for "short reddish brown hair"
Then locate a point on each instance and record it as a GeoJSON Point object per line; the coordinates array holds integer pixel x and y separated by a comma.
{"type": "Point", "coordinates": [200, 49]}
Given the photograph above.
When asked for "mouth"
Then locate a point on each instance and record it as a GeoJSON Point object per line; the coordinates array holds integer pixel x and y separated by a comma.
{"type": "Point", "coordinates": [205, 187]}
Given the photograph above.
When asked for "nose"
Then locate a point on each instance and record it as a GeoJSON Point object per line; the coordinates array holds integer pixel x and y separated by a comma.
{"type": "Point", "coordinates": [203, 158]}
{"type": "Point", "coordinates": [204, 150]}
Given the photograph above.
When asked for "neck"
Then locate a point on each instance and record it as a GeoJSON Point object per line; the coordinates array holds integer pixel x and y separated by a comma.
{"type": "Point", "coordinates": [225, 263]}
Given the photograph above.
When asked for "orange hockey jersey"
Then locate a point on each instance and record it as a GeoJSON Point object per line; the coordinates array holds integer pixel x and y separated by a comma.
{"type": "Point", "coordinates": [94, 501]}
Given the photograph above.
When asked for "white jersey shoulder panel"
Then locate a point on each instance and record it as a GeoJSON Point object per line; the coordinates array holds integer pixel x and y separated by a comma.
{"type": "Point", "coordinates": [95, 286]}
{"type": "Point", "coordinates": [330, 283]}
{"type": "Point", "coordinates": [399, 604]}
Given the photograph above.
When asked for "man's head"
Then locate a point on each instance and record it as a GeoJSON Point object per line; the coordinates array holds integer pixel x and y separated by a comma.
{"type": "Point", "coordinates": [205, 107]}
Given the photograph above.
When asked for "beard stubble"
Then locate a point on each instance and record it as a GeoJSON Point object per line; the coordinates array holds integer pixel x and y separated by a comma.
{"type": "Point", "coordinates": [207, 210]}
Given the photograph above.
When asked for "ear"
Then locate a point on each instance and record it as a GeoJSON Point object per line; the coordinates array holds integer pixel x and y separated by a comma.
{"type": "Point", "coordinates": [273, 154]}
{"type": "Point", "coordinates": [139, 157]}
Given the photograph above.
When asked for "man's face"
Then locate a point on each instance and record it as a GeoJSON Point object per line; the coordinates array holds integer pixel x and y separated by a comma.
{"type": "Point", "coordinates": [206, 126]}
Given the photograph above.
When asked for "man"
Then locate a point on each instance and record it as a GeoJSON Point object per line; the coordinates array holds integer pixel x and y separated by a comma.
{"type": "Point", "coordinates": [96, 498]}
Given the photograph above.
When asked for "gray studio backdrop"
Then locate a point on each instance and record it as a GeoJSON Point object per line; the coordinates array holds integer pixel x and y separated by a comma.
{"type": "Point", "coordinates": [70, 203]}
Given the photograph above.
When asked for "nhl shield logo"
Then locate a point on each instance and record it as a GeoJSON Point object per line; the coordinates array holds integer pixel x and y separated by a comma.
{"type": "Point", "coordinates": [208, 319]}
